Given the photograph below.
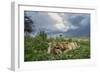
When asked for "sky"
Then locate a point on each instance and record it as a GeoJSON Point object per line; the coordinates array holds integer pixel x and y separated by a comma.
{"type": "Point", "coordinates": [56, 23]}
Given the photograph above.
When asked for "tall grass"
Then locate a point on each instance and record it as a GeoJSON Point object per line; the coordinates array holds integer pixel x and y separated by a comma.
{"type": "Point", "coordinates": [35, 49]}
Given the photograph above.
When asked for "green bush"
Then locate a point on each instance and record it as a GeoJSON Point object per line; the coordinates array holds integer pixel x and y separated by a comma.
{"type": "Point", "coordinates": [35, 49]}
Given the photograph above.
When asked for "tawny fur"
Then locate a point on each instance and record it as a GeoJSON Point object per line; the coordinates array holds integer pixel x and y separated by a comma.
{"type": "Point", "coordinates": [57, 48]}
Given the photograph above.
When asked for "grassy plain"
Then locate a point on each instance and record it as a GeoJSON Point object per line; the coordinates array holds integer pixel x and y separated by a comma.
{"type": "Point", "coordinates": [35, 48]}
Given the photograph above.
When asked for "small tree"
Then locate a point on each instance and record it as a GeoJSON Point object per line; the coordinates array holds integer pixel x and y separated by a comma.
{"type": "Point", "coordinates": [60, 35]}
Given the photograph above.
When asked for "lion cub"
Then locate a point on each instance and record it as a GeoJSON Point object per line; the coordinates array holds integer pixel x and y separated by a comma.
{"type": "Point", "coordinates": [57, 48]}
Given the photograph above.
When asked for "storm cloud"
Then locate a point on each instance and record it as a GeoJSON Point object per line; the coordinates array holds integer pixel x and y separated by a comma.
{"type": "Point", "coordinates": [68, 24]}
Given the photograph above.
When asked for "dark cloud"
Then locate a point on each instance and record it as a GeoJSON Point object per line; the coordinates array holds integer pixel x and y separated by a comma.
{"type": "Point", "coordinates": [78, 23]}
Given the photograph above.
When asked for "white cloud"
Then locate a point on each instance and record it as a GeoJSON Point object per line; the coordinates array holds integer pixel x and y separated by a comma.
{"type": "Point", "coordinates": [60, 24]}
{"type": "Point", "coordinates": [62, 27]}
{"type": "Point", "coordinates": [56, 17]}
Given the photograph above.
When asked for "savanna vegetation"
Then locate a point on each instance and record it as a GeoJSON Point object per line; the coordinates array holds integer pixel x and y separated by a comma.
{"type": "Point", "coordinates": [35, 48]}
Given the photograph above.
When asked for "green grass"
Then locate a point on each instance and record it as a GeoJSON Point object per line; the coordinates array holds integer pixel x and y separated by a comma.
{"type": "Point", "coordinates": [36, 49]}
